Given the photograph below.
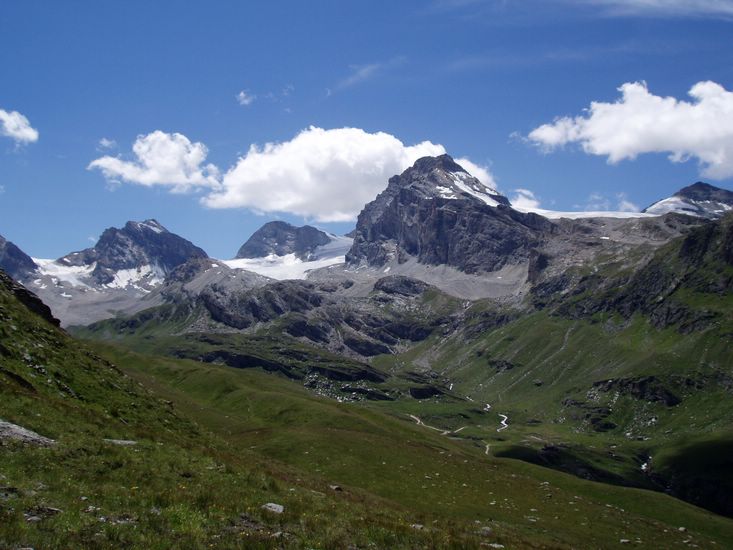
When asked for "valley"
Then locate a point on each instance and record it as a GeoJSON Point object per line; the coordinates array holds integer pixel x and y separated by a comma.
{"type": "Point", "coordinates": [455, 373]}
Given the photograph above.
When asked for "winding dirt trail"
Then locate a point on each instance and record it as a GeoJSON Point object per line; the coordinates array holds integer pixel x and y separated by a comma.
{"type": "Point", "coordinates": [419, 422]}
{"type": "Point", "coordinates": [504, 424]}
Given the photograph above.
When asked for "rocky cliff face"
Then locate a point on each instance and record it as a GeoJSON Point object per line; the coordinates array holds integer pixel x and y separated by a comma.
{"type": "Point", "coordinates": [437, 212]}
{"type": "Point", "coordinates": [14, 261]}
{"type": "Point", "coordinates": [281, 238]}
{"type": "Point", "coordinates": [137, 245]}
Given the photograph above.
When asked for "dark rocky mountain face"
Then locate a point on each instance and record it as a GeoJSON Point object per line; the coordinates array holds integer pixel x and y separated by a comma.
{"type": "Point", "coordinates": [700, 263]}
{"type": "Point", "coordinates": [699, 199]}
{"type": "Point", "coordinates": [701, 191]}
{"type": "Point", "coordinates": [135, 245]}
{"type": "Point", "coordinates": [438, 213]}
{"type": "Point", "coordinates": [14, 261]}
{"type": "Point", "coordinates": [281, 238]}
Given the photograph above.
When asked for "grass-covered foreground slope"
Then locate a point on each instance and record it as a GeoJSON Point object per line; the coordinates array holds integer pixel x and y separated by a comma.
{"type": "Point", "coordinates": [346, 474]}
{"type": "Point", "coordinates": [128, 469]}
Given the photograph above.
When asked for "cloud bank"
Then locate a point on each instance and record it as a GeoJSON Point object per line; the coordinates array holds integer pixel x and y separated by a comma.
{"type": "Point", "coordinates": [666, 7]}
{"type": "Point", "coordinates": [321, 175]}
{"type": "Point", "coordinates": [324, 175]}
{"type": "Point", "coordinates": [641, 122]}
{"type": "Point", "coordinates": [169, 160]}
{"type": "Point", "coordinates": [17, 127]}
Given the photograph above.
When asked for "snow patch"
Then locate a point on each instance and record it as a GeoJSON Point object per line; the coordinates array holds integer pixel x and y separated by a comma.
{"type": "Point", "coordinates": [467, 183]}
{"type": "Point", "coordinates": [150, 275]}
{"type": "Point", "coordinates": [71, 274]}
{"type": "Point", "coordinates": [554, 215]}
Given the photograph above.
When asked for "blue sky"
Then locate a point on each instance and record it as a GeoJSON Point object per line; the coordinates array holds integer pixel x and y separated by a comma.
{"type": "Point", "coordinates": [196, 84]}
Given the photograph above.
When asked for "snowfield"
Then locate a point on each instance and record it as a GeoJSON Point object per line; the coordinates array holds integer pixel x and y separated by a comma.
{"type": "Point", "coordinates": [292, 267]}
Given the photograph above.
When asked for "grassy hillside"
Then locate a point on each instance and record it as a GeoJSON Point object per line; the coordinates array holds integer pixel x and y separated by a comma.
{"type": "Point", "coordinates": [129, 469]}
{"type": "Point", "coordinates": [213, 444]}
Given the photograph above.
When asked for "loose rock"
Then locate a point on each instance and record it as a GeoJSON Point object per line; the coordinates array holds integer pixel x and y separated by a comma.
{"type": "Point", "coordinates": [274, 508]}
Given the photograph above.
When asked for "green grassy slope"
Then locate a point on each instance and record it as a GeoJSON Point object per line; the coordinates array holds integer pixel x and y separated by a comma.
{"type": "Point", "coordinates": [427, 475]}
{"type": "Point", "coordinates": [179, 486]}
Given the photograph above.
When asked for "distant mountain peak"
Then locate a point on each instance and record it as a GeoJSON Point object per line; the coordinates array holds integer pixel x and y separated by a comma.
{"type": "Point", "coordinates": [280, 238]}
{"type": "Point", "coordinates": [143, 245]}
{"type": "Point", "coordinates": [700, 199]}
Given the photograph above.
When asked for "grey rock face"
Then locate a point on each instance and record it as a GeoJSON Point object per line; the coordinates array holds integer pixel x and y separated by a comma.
{"type": "Point", "coordinates": [14, 261]}
{"type": "Point", "coordinates": [281, 238]}
{"type": "Point", "coordinates": [135, 245]}
{"type": "Point", "coordinates": [438, 213]}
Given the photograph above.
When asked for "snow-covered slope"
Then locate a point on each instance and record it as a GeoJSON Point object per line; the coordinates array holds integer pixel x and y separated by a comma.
{"type": "Point", "coordinates": [290, 266]}
{"type": "Point", "coordinates": [556, 215]}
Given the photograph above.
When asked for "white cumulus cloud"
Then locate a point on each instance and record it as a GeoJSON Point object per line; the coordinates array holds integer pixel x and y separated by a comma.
{"type": "Point", "coordinates": [17, 127]}
{"type": "Point", "coordinates": [641, 122]}
{"type": "Point", "coordinates": [169, 160]}
{"type": "Point", "coordinates": [325, 175]}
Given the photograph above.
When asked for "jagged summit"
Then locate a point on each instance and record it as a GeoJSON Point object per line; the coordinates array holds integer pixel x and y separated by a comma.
{"type": "Point", "coordinates": [138, 245]}
{"type": "Point", "coordinates": [147, 225]}
{"type": "Point", "coordinates": [281, 238]}
{"type": "Point", "coordinates": [438, 213]}
{"type": "Point", "coordinates": [442, 177]}
{"type": "Point", "coordinates": [699, 199]}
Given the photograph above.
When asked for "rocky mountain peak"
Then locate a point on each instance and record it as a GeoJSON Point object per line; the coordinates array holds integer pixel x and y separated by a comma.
{"type": "Point", "coordinates": [147, 225]}
{"type": "Point", "coordinates": [137, 245]}
{"type": "Point", "coordinates": [699, 199]}
{"type": "Point", "coordinates": [281, 238]}
{"type": "Point", "coordinates": [442, 177]}
{"type": "Point", "coordinates": [438, 213]}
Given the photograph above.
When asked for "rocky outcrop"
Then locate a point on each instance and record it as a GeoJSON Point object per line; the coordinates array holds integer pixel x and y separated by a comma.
{"type": "Point", "coordinates": [281, 238]}
{"type": "Point", "coordinates": [438, 213]}
{"type": "Point", "coordinates": [15, 262]}
{"type": "Point", "coordinates": [13, 432]}
{"type": "Point", "coordinates": [242, 310]}
{"type": "Point", "coordinates": [136, 245]}
{"type": "Point", "coordinates": [400, 285]}
{"type": "Point", "coordinates": [27, 298]}
{"type": "Point", "coordinates": [646, 388]}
